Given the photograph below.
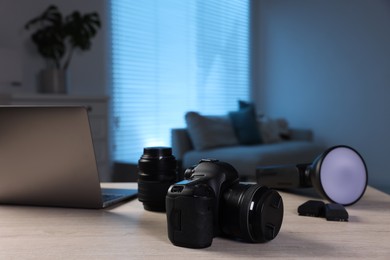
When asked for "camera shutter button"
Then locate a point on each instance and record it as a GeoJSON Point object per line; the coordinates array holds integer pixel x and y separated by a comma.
{"type": "Point", "coordinates": [188, 172]}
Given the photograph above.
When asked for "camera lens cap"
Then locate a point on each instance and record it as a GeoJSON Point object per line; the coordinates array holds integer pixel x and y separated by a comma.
{"type": "Point", "coordinates": [272, 212]}
{"type": "Point", "coordinates": [265, 215]}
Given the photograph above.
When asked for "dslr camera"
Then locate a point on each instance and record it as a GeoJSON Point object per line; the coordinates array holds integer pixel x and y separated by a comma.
{"type": "Point", "coordinates": [211, 202]}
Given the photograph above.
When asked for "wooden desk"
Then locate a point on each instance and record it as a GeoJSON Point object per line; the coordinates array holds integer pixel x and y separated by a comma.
{"type": "Point", "coordinates": [128, 231]}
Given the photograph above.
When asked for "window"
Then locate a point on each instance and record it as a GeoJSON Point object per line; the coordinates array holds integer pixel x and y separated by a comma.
{"type": "Point", "coordinates": [170, 57]}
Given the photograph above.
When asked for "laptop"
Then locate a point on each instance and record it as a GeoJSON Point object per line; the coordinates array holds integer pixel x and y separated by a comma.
{"type": "Point", "coordinates": [47, 159]}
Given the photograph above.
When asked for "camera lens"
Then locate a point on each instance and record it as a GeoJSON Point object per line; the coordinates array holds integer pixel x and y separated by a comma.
{"type": "Point", "coordinates": [251, 212]}
{"type": "Point", "coordinates": [157, 172]}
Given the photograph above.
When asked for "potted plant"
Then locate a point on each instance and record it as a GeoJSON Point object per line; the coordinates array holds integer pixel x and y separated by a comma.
{"type": "Point", "coordinates": [56, 38]}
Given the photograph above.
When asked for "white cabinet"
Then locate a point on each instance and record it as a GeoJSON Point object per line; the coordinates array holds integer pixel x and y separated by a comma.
{"type": "Point", "coordinates": [98, 116]}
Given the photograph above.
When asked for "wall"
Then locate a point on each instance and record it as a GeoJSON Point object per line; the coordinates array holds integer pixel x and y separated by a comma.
{"type": "Point", "coordinates": [325, 65]}
{"type": "Point", "coordinates": [88, 70]}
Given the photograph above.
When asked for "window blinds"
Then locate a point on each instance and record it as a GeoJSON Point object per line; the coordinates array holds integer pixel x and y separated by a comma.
{"type": "Point", "coordinates": [170, 57]}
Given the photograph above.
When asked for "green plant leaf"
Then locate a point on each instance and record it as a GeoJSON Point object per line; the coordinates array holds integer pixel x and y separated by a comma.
{"type": "Point", "coordinates": [57, 36]}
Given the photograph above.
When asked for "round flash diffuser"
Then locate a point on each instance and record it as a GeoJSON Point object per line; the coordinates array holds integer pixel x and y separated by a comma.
{"type": "Point", "coordinates": [340, 175]}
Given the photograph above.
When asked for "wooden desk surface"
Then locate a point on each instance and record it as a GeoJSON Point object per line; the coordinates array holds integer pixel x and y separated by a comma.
{"type": "Point", "coordinates": [128, 231]}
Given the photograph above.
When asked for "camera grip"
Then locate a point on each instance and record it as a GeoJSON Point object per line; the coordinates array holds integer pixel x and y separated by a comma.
{"type": "Point", "coordinates": [190, 221]}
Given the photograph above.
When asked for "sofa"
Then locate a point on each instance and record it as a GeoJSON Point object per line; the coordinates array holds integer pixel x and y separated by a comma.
{"type": "Point", "coordinates": [282, 144]}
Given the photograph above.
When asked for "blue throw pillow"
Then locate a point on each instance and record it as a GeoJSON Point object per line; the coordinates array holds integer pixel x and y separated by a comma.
{"type": "Point", "coordinates": [243, 104]}
{"type": "Point", "coordinates": [245, 126]}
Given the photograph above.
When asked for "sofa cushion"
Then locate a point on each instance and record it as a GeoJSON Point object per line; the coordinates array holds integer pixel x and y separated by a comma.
{"type": "Point", "coordinates": [245, 125]}
{"type": "Point", "coordinates": [274, 130]}
{"type": "Point", "coordinates": [210, 131]}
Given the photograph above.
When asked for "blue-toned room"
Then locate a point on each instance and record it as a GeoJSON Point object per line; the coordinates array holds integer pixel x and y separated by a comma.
{"type": "Point", "coordinates": [218, 129]}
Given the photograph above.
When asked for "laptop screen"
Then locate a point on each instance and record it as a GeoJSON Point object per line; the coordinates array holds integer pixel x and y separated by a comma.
{"type": "Point", "coordinates": [47, 157]}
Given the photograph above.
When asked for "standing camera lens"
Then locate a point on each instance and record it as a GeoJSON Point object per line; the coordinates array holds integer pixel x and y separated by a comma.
{"type": "Point", "coordinates": [157, 171]}
{"type": "Point", "coordinates": [253, 213]}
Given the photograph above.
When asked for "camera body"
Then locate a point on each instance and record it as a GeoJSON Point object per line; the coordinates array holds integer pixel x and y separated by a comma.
{"type": "Point", "coordinates": [211, 202]}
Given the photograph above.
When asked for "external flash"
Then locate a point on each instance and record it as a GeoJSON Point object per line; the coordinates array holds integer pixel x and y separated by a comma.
{"type": "Point", "coordinates": [339, 174]}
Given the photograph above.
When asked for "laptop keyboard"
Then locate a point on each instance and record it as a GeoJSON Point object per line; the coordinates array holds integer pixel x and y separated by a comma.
{"type": "Point", "coordinates": [108, 197]}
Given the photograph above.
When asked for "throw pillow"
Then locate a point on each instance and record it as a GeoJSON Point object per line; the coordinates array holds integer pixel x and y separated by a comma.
{"type": "Point", "coordinates": [245, 126]}
{"type": "Point", "coordinates": [274, 130]}
{"type": "Point", "coordinates": [210, 131]}
{"type": "Point", "coordinates": [243, 104]}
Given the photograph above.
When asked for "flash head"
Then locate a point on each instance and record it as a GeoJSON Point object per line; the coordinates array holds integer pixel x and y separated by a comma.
{"type": "Point", "coordinates": [339, 175]}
